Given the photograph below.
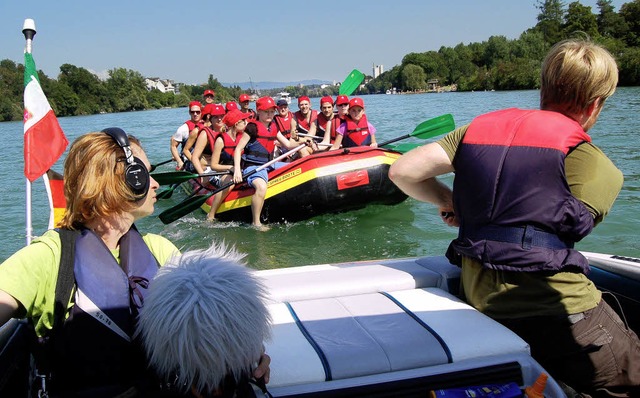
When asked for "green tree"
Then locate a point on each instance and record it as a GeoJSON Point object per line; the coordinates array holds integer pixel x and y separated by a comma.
{"type": "Point", "coordinates": [126, 90]}
{"type": "Point", "coordinates": [610, 23]}
{"type": "Point", "coordinates": [550, 19]}
{"type": "Point", "coordinates": [88, 88]}
{"type": "Point", "coordinates": [530, 45]}
{"type": "Point", "coordinates": [497, 49]}
{"type": "Point", "coordinates": [579, 18]}
{"type": "Point", "coordinates": [630, 13]}
{"type": "Point", "coordinates": [629, 64]}
{"type": "Point", "coordinates": [413, 78]}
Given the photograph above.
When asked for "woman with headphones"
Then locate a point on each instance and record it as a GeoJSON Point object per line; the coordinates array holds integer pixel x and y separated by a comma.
{"type": "Point", "coordinates": [81, 286]}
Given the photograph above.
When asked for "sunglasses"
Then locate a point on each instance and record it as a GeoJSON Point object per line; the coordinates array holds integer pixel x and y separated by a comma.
{"type": "Point", "coordinates": [195, 112]}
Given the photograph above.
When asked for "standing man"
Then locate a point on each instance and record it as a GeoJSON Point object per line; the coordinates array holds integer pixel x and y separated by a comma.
{"type": "Point", "coordinates": [180, 137]}
{"type": "Point", "coordinates": [528, 185]}
{"type": "Point", "coordinates": [244, 100]}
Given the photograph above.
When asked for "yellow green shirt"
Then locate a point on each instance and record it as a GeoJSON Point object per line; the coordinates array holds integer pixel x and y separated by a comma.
{"type": "Point", "coordinates": [30, 274]}
{"type": "Point", "coordinates": [594, 180]}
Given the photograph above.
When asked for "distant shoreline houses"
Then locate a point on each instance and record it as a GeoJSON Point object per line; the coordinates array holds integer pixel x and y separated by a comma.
{"type": "Point", "coordinates": [163, 85]}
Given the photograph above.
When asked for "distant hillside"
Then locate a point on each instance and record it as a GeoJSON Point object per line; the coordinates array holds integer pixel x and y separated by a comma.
{"type": "Point", "coordinates": [272, 85]}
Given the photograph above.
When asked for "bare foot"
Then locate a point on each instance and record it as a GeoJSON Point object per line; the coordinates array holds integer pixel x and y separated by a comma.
{"type": "Point", "coordinates": [260, 227]}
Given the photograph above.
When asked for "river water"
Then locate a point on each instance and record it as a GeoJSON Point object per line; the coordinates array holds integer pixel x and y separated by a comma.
{"type": "Point", "coordinates": [404, 230]}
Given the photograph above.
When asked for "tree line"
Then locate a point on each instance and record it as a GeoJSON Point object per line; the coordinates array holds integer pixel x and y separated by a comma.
{"type": "Point", "coordinates": [502, 64]}
{"type": "Point", "coordinates": [495, 64]}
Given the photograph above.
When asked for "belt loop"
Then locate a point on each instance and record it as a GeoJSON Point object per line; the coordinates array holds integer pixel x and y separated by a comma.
{"type": "Point", "coordinates": [527, 238]}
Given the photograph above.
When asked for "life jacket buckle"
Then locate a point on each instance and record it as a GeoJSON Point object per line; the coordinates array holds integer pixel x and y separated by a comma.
{"type": "Point", "coordinates": [42, 391]}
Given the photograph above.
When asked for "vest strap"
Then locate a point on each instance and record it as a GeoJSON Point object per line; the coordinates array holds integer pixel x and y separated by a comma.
{"type": "Point", "coordinates": [527, 236]}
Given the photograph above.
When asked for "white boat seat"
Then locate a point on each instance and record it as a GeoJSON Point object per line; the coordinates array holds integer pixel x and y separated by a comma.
{"type": "Point", "coordinates": [337, 338]}
{"type": "Point", "coordinates": [310, 282]}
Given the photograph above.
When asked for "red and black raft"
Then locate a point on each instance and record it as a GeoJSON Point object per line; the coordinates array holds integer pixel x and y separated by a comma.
{"type": "Point", "coordinates": [325, 182]}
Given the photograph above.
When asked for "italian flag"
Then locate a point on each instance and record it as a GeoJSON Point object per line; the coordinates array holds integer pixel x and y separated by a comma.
{"type": "Point", "coordinates": [44, 140]}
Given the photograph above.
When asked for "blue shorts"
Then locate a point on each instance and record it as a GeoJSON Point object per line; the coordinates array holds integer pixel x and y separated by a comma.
{"type": "Point", "coordinates": [264, 173]}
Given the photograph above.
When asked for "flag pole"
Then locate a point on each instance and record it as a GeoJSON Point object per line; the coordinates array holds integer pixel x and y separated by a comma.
{"type": "Point", "coordinates": [28, 30]}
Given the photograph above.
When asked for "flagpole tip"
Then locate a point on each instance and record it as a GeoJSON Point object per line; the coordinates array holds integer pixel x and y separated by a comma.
{"type": "Point", "coordinates": [29, 28]}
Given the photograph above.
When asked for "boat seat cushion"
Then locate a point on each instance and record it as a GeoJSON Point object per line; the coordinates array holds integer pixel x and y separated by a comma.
{"type": "Point", "coordinates": [310, 282]}
{"type": "Point", "coordinates": [358, 335]}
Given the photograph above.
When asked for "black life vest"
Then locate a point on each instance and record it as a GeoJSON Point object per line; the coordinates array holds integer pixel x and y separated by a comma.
{"type": "Point", "coordinates": [511, 194]}
{"type": "Point", "coordinates": [259, 150]}
{"type": "Point", "coordinates": [94, 349]}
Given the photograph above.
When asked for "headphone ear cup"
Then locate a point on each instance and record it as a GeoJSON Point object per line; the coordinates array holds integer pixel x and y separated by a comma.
{"type": "Point", "coordinates": [137, 177]}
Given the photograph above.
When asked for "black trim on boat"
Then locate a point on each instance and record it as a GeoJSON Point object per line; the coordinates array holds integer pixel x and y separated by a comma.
{"type": "Point", "coordinates": [314, 344]}
{"type": "Point", "coordinates": [15, 338]}
{"type": "Point", "coordinates": [632, 259]}
{"type": "Point", "coordinates": [444, 345]}
{"type": "Point", "coordinates": [420, 386]}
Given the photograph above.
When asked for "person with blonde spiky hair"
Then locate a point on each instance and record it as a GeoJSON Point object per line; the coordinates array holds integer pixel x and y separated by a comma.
{"type": "Point", "coordinates": [204, 323]}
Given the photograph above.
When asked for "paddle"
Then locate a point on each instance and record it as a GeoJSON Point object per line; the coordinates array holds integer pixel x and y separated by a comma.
{"type": "Point", "coordinates": [404, 147]}
{"type": "Point", "coordinates": [174, 177]}
{"type": "Point", "coordinates": [167, 193]}
{"type": "Point", "coordinates": [428, 129]}
{"type": "Point", "coordinates": [310, 136]}
{"type": "Point", "coordinates": [155, 166]}
{"type": "Point", "coordinates": [190, 204]}
{"type": "Point", "coordinates": [351, 83]}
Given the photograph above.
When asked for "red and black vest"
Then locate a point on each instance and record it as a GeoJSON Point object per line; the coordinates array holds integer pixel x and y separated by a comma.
{"type": "Point", "coordinates": [284, 124]}
{"type": "Point", "coordinates": [322, 125]}
{"type": "Point", "coordinates": [259, 150]}
{"type": "Point", "coordinates": [226, 155]}
{"type": "Point", "coordinates": [211, 136]}
{"type": "Point", "coordinates": [511, 194]}
{"type": "Point", "coordinates": [356, 133]}
{"type": "Point", "coordinates": [303, 124]}
{"type": "Point", "coordinates": [95, 347]}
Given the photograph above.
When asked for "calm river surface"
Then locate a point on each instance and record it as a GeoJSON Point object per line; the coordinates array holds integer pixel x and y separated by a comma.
{"type": "Point", "coordinates": [404, 230]}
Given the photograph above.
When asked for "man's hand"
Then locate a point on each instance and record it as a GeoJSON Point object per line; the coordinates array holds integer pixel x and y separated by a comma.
{"type": "Point", "coordinates": [263, 369]}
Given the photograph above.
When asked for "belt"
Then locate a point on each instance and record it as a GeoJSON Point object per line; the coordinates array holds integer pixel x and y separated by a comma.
{"type": "Point", "coordinates": [527, 236]}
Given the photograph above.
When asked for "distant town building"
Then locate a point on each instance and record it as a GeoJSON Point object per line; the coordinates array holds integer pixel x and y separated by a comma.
{"type": "Point", "coordinates": [164, 85]}
{"type": "Point", "coordinates": [377, 70]}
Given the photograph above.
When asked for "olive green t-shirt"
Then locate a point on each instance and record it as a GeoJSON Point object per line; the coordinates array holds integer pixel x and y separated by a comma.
{"type": "Point", "coordinates": [30, 274]}
{"type": "Point", "coordinates": [594, 180]}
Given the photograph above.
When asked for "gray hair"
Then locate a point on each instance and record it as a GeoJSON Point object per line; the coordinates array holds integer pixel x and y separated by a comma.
{"type": "Point", "coordinates": [204, 318]}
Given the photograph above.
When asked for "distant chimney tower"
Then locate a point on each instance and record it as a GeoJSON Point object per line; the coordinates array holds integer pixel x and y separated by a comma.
{"type": "Point", "coordinates": [377, 70]}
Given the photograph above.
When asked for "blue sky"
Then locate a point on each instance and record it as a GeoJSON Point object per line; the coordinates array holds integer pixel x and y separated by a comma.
{"type": "Point", "coordinates": [265, 41]}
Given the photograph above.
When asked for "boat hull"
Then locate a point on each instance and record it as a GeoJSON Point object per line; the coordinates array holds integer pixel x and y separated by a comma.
{"type": "Point", "coordinates": [393, 327]}
{"type": "Point", "coordinates": [329, 182]}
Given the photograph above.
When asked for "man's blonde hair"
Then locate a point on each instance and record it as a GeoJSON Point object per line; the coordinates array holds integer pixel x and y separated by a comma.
{"type": "Point", "coordinates": [94, 183]}
{"type": "Point", "coordinates": [574, 74]}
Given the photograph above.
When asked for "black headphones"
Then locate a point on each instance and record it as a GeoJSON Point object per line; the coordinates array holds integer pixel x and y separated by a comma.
{"type": "Point", "coordinates": [136, 174]}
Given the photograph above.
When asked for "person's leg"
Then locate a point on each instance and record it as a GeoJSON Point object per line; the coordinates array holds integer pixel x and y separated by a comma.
{"type": "Point", "coordinates": [219, 197]}
{"type": "Point", "coordinates": [257, 200]}
{"type": "Point", "coordinates": [592, 352]}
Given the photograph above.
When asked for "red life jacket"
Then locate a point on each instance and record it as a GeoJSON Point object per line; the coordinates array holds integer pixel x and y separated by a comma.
{"type": "Point", "coordinates": [303, 125]}
{"type": "Point", "coordinates": [211, 136]}
{"type": "Point", "coordinates": [226, 156]}
{"type": "Point", "coordinates": [193, 125]}
{"type": "Point", "coordinates": [284, 124]}
{"type": "Point", "coordinates": [259, 150]}
{"type": "Point", "coordinates": [356, 133]}
{"type": "Point", "coordinates": [321, 124]}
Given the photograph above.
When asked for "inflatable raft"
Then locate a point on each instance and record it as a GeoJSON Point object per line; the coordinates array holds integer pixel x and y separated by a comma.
{"type": "Point", "coordinates": [327, 182]}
